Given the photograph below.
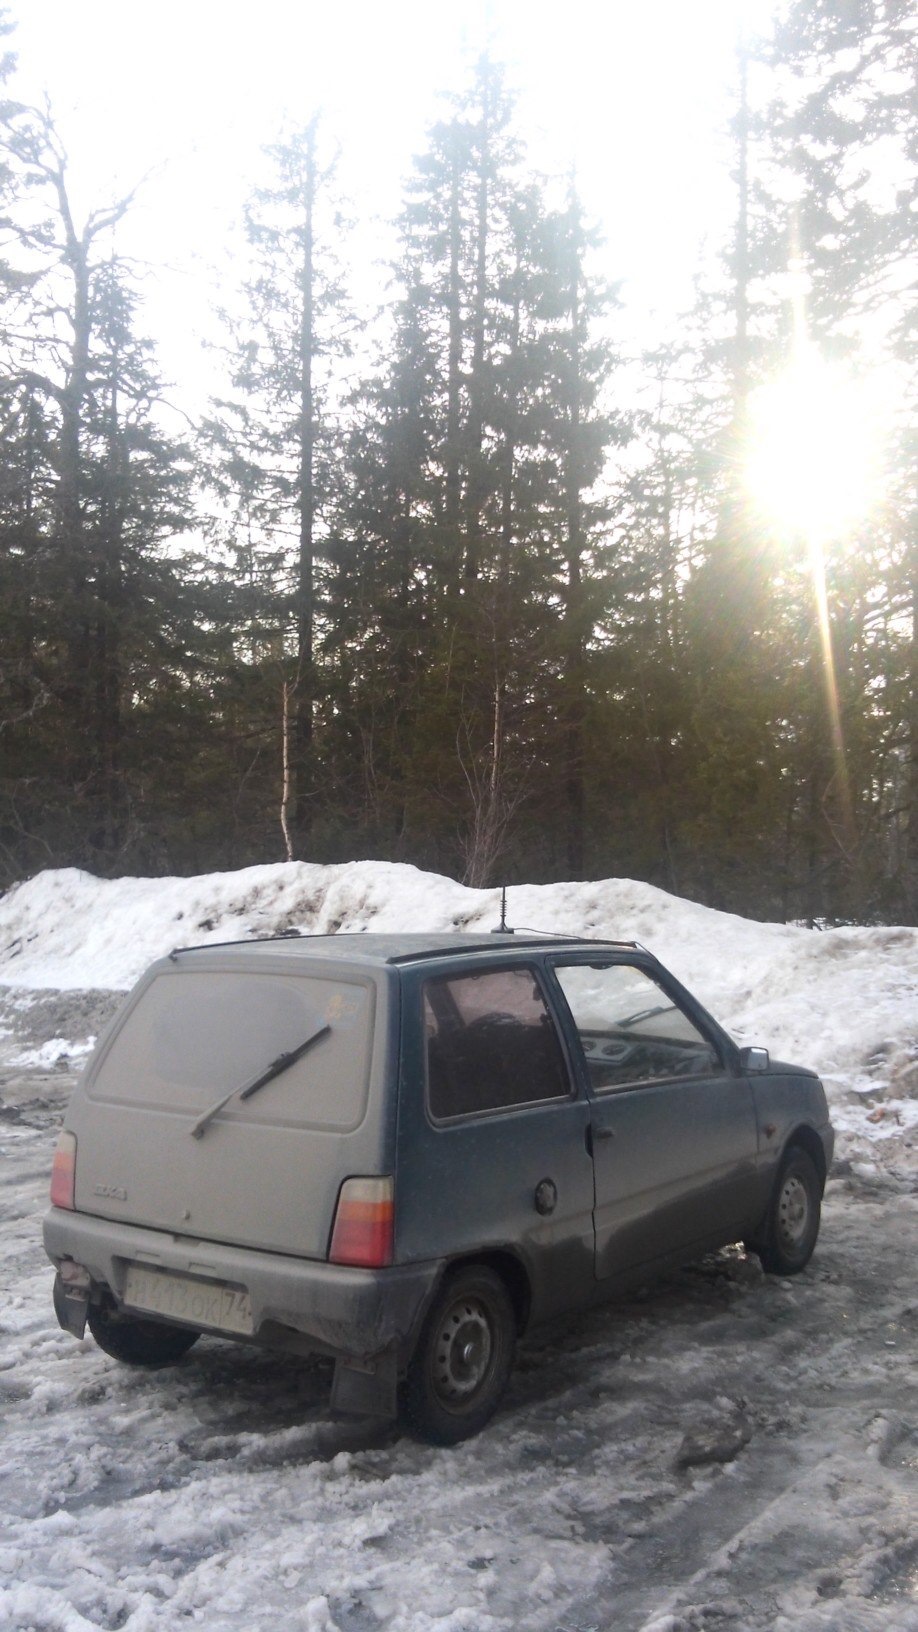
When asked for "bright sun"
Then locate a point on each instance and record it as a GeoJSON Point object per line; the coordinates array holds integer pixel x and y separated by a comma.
{"type": "Point", "coordinates": [812, 449]}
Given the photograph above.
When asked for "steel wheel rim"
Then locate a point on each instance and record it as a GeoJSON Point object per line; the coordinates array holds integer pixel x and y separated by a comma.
{"type": "Point", "coordinates": [463, 1350]}
{"type": "Point", "coordinates": [793, 1211]}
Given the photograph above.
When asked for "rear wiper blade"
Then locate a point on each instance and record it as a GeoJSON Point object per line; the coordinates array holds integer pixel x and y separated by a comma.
{"type": "Point", "coordinates": [282, 1063]}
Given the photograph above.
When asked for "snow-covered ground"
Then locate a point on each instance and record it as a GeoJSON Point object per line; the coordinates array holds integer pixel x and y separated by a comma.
{"type": "Point", "coordinates": [722, 1451]}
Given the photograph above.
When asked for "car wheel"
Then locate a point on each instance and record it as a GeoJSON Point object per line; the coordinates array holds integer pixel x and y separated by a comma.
{"type": "Point", "coordinates": [138, 1342]}
{"type": "Point", "coordinates": [792, 1222]}
{"type": "Point", "coordinates": [463, 1359]}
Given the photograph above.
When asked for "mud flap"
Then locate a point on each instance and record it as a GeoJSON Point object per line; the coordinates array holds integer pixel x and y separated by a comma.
{"type": "Point", "coordinates": [70, 1307]}
{"type": "Point", "coordinates": [366, 1388]}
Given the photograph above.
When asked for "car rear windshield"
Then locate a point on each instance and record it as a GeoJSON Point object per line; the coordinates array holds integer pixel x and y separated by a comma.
{"type": "Point", "coordinates": [194, 1036]}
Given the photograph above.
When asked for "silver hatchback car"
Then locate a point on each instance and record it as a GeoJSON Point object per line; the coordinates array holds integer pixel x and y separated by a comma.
{"type": "Point", "coordinates": [400, 1151]}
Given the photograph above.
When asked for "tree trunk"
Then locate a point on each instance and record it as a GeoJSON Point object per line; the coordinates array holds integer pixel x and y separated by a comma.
{"type": "Point", "coordinates": [303, 689]}
{"type": "Point", "coordinates": [68, 504]}
{"type": "Point", "coordinates": [574, 654]}
{"type": "Point", "coordinates": [453, 387]}
{"type": "Point", "coordinates": [476, 483]}
{"type": "Point", "coordinates": [106, 690]}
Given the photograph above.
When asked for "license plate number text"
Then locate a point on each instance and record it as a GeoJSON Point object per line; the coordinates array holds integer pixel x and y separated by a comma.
{"type": "Point", "coordinates": [181, 1297]}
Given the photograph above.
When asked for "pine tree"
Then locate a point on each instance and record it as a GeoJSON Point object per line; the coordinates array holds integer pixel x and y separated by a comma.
{"type": "Point", "coordinates": [430, 479]}
{"type": "Point", "coordinates": [722, 702]}
{"type": "Point", "coordinates": [273, 440]}
{"type": "Point", "coordinates": [95, 489]}
{"type": "Point", "coordinates": [480, 443]}
{"type": "Point", "coordinates": [842, 126]}
{"type": "Point", "coordinates": [578, 436]}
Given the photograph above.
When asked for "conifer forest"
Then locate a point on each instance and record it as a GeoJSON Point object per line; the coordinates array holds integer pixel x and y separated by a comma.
{"type": "Point", "coordinates": [464, 576]}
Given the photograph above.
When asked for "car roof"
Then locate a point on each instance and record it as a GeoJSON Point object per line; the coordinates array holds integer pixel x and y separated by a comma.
{"type": "Point", "coordinates": [367, 947]}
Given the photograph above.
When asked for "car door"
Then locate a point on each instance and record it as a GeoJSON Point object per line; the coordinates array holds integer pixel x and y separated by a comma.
{"type": "Point", "coordinates": [494, 1131]}
{"type": "Point", "coordinates": [673, 1127]}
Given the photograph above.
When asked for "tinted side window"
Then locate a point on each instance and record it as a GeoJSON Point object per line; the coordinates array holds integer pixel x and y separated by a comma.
{"type": "Point", "coordinates": [491, 1043]}
{"type": "Point", "coordinates": [630, 1028]}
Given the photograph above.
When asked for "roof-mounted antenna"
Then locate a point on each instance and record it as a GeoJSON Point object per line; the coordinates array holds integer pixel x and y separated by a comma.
{"type": "Point", "coordinates": [503, 927]}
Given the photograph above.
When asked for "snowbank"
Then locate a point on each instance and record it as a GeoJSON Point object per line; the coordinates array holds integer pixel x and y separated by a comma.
{"type": "Point", "coordinates": [844, 1000]}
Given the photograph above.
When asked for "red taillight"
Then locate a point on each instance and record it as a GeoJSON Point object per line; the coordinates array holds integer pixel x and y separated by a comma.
{"type": "Point", "coordinates": [63, 1170]}
{"type": "Point", "coordinates": [363, 1230]}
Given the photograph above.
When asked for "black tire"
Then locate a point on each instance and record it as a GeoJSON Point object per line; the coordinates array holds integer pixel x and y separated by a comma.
{"type": "Point", "coordinates": [792, 1222]}
{"type": "Point", "coordinates": [138, 1342]}
{"type": "Point", "coordinates": [463, 1359]}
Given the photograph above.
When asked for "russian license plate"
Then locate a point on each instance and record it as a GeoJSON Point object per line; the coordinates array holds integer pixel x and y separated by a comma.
{"type": "Point", "coordinates": [182, 1297]}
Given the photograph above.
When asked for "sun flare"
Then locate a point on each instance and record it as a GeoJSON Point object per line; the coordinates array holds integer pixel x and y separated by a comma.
{"type": "Point", "coordinates": [812, 450]}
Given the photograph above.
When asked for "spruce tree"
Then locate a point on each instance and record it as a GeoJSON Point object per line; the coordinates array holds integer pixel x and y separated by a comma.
{"type": "Point", "coordinates": [273, 441]}
{"type": "Point", "coordinates": [842, 127]}
{"type": "Point", "coordinates": [96, 488]}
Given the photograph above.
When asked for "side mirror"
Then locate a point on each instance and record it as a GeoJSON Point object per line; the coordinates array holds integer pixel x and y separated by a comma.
{"type": "Point", "coordinates": [754, 1059]}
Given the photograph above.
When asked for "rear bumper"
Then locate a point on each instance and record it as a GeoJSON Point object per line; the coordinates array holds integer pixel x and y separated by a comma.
{"type": "Point", "coordinates": [297, 1304]}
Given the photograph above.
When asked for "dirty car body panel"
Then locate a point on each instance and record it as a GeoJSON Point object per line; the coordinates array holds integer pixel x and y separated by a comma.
{"type": "Point", "coordinates": [305, 1143]}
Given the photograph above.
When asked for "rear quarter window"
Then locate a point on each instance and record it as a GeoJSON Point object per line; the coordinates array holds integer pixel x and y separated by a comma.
{"type": "Point", "coordinates": [490, 1044]}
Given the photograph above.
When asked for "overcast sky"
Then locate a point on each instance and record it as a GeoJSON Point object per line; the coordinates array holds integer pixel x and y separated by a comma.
{"type": "Point", "coordinates": [636, 95]}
